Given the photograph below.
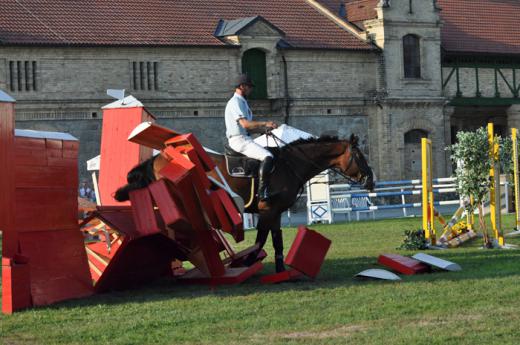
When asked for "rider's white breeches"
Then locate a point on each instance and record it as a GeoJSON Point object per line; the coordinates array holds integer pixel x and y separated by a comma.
{"type": "Point", "coordinates": [246, 146]}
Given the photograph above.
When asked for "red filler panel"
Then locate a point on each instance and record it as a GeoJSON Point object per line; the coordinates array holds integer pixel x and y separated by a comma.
{"type": "Point", "coordinates": [308, 251]}
{"type": "Point", "coordinates": [403, 264]}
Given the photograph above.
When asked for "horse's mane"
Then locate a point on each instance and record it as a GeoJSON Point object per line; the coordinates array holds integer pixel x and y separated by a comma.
{"type": "Point", "coordinates": [324, 139]}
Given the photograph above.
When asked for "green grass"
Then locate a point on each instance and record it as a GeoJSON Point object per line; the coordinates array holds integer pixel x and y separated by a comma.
{"type": "Point", "coordinates": [479, 305]}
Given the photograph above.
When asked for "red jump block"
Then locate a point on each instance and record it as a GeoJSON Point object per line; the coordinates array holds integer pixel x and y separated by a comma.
{"type": "Point", "coordinates": [190, 140]}
{"type": "Point", "coordinates": [16, 285]}
{"type": "Point", "coordinates": [308, 251]}
{"type": "Point", "coordinates": [285, 276]}
{"type": "Point", "coordinates": [403, 264]}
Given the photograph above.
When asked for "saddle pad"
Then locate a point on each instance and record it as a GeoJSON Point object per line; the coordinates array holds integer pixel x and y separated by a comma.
{"type": "Point", "coordinates": [242, 166]}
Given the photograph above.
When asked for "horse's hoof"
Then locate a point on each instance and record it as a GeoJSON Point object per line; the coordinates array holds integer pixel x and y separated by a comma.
{"type": "Point", "coordinates": [280, 267]}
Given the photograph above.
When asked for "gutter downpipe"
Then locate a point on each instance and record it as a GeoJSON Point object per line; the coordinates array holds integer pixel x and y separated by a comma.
{"type": "Point", "coordinates": [287, 99]}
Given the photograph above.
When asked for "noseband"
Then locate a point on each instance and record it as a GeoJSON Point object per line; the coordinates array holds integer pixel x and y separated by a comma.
{"type": "Point", "coordinates": [354, 158]}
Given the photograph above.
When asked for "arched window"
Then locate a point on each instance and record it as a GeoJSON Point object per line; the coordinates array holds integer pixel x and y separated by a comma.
{"type": "Point", "coordinates": [253, 63]}
{"type": "Point", "coordinates": [412, 56]}
{"type": "Point", "coordinates": [414, 136]}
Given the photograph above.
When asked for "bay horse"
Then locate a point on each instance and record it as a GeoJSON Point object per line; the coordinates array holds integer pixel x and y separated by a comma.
{"type": "Point", "coordinates": [295, 164]}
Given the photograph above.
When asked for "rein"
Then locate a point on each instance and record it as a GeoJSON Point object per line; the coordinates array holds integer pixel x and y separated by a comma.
{"type": "Point", "coordinates": [310, 161]}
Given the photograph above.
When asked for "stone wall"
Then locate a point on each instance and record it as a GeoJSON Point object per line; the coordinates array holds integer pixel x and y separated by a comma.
{"type": "Point", "coordinates": [328, 90]}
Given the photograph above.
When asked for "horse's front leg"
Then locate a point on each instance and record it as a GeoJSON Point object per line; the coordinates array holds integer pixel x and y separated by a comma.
{"type": "Point", "coordinates": [277, 237]}
{"type": "Point", "coordinates": [262, 231]}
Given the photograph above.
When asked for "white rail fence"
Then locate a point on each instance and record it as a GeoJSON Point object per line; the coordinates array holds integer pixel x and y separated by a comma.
{"type": "Point", "coordinates": [325, 201]}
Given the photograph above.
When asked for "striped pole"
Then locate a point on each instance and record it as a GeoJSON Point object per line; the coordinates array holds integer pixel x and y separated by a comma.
{"type": "Point", "coordinates": [514, 139]}
{"type": "Point", "coordinates": [427, 191]}
{"type": "Point", "coordinates": [494, 189]}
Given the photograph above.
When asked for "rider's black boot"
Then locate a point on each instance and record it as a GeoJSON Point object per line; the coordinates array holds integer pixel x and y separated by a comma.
{"type": "Point", "coordinates": [279, 265]}
{"type": "Point", "coordinates": [264, 174]}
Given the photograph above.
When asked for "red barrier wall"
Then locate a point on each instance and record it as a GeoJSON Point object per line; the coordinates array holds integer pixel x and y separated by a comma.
{"type": "Point", "coordinates": [118, 155]}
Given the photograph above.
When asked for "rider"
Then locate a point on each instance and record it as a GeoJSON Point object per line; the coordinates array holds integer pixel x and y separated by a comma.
{"type": "Point", "coordinates": [239, 125]}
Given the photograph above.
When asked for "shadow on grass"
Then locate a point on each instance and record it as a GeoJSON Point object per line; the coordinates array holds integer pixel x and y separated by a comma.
{"type": "Point", "coordinates": [485, 264]}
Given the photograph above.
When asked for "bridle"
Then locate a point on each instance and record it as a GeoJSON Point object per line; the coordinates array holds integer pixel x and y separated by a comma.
{"type": "Point", "coordinates": [353, 158]}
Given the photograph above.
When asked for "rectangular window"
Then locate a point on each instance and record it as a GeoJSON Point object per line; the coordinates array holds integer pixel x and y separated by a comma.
{"type": "Point", "coordinates": [155, 81]}
{"type": "Point", "coordinates": [412, 56]}
{"type": "Point", "coordinates": [134, 74]}
{"type": "Point", "coordinates": [145, 75]}
{"type": "Point", "coordinates": [22, 76]}
{"type": "Point", "coordinates": [11, 76]}
{"type": "Point", "coordinates": [34, 76]}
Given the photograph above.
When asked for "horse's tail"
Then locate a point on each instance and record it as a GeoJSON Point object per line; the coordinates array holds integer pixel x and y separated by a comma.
{"type": "Point", "coordinates": [139, 177]}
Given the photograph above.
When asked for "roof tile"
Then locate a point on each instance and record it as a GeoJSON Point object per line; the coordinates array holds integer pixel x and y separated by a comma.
{"type": "Point", "coordinates": [162, 22]}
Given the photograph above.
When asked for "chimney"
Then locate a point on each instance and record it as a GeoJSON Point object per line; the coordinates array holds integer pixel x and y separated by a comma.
{"type": "Point", "coordinates": [343, 10]}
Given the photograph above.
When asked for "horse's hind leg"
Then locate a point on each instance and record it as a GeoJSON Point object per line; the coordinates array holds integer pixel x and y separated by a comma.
{"type": "Point", "coordinates": [277, 237]}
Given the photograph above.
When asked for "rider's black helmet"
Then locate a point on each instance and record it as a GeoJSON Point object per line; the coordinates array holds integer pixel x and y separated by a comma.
{"type": "Point", "coordinates": [244, 79]}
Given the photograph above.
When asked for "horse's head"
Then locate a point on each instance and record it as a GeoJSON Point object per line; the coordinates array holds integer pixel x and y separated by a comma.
{"type": "Point", "coordinates": [354, 164]}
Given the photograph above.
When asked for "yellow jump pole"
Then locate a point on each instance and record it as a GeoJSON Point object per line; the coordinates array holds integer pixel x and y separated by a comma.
{"type": "Point", "coordinates": [427, 191]}
{"type": "Point", "coordinates": [514, 139]}
{"type": "Point", "coordinates": [494, 190]}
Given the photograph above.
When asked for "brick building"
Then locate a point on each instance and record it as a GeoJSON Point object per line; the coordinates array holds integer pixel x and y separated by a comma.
{"type": "Point", "coordinates": [389, 71]}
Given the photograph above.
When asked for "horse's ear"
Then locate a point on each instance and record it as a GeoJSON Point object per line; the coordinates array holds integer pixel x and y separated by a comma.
{"type": "Point", "coordinates": [354, 140]}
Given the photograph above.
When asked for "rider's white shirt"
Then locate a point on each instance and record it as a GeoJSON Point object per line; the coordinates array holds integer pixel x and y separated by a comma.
{"type": "Point", "coordinates": [238, 138]}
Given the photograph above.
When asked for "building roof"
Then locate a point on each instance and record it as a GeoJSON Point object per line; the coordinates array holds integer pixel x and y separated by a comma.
{"type": "Point", "coordinates": [470, 26]}
{"type": "Point", "coordinates": [236, 26]}
{"type": "Point", "coordinates": [163, 22]}
{"type": "Point", "coordinates": [481, 26]}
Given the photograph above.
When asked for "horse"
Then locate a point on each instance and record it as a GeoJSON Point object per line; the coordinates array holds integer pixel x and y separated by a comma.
{"type": "Point", "coordinates": [295, 164]}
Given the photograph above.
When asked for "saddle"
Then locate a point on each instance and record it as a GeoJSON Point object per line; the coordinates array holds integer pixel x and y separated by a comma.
{"type": "Point", "coordinates": [239, 165]}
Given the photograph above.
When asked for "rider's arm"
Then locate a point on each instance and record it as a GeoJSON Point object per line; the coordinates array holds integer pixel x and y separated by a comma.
{"type": "Point", "coordinates": [256, 126]}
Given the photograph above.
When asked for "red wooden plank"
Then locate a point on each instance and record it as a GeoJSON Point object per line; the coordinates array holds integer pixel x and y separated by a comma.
{"type": "Point", "coordinates": [55, 153]}
{"type": "Point", "coordinates": [203, 178]}
{"type": "Point", "coordinates": [118, 156]}
{"type": "Point", "coordinates": [54, 144]}
{"type": "Point", "coordinates": [152, 135]}
{"type": "Point", "coordinates": [403, 264]}
{"type": "Point", "coordinates": [20, 160]}
{"type": "Point", "coordinates": [192, 140]}
{"type": "Point", "coordinates": [143, 212]}
{"type": "Point", "coordinates": [308, 251]}
{"type": "Point", "coordinates": [174, 172]}
{"type": "Point", "coordinates": [234, 215]}
{"type": "Point", "coordinates": [58, 264]}
{"type": "Point", "coordinates": [30, 143]}
{"type": "Point", "coordinates": [138, 261]}
{"type": "Point", "coordinates": [202, 231]}
{"type": "Point", "coordinates": [119, 219]}
{"type": "Point", "coordinates": [235, 275]}
{"type": "Point", "coordinates": [70, 154]}
{"type": "Point", "coordinates": [224, 223]}
{"type": "Point", "coordinates": [45, 177]}
{"type": "Point", "coordinates": [72, 163]}
{"type": "Point", "coordinates": [70, 145]}
{"type": "Point", "coordinates": [178, 158]}
{"type": "Point", "coordinates": [203, 196]}
{"type": "Point", "coordinates": [285, 276]}
{"type": "Point", "coordinates": [40, 209]}
{"type": "Point", "coordinates": [170, 207]}
{"type": "Point", "coordinates": [7, 187]}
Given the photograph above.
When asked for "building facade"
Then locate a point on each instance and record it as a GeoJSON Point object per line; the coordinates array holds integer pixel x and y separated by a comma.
{"type": "Point", "coordinates": [385, 70]}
